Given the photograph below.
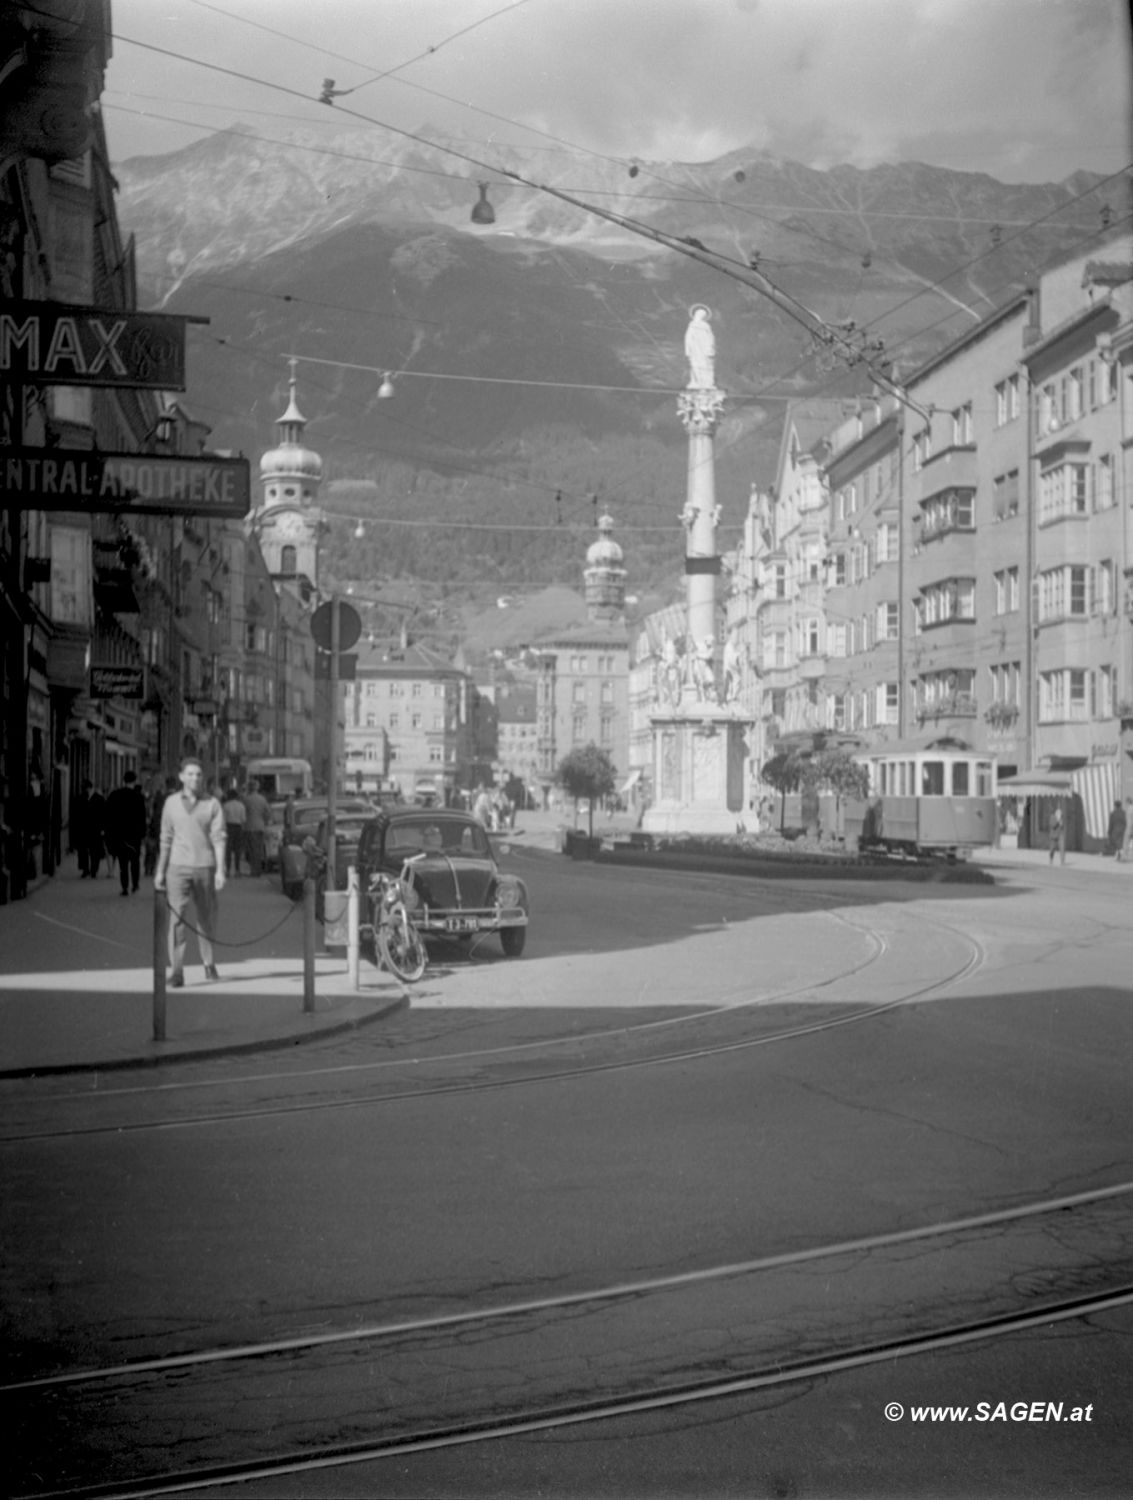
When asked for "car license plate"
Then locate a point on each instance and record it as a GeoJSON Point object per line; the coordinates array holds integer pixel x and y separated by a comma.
{"type": "Point", "coordinates": [460, 924]}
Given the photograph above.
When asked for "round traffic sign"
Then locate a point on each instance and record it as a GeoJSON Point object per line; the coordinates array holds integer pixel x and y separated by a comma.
{"type": "Point", "coordinates": [349, 625]}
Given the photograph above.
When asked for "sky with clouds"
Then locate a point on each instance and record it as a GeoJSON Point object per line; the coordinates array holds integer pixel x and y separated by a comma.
{"type": "Point", "coordinates": [1024, 90]}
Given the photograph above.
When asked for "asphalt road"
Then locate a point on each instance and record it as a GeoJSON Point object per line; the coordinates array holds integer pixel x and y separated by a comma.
{"type": "Point", "coordinates": [680, 1076]}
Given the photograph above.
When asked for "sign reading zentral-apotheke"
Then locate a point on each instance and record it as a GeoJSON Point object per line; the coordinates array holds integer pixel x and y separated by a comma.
{"type": "Point", "coordinates": [51, 343]}
{"type": "Point", "coordinates": [82, 479]}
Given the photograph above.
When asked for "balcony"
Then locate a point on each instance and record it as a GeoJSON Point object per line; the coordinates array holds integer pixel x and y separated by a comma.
{"type": "Point", "coordinates": [951, 468]}
{"type": "Point", "coordinates": [954, 706]}
{"type": "Point", "coordinates": [812, 667]}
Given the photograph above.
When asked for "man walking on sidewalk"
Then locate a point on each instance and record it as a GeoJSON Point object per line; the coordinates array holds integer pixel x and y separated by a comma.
{"type": "Point", "coordinates": [255, 827]}
{"type": "Point", "coordinates": [191, 862]}
{"type": "Point", "coordinates": [126, 829]}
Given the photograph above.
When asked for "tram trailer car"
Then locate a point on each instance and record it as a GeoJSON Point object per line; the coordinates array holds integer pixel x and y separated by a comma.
{"type": "Point", "coordinates": [936, 799]}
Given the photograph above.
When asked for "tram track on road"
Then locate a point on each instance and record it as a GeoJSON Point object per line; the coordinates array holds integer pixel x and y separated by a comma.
{"type": "Point", "coordinates": [488, 1373]}
{"type": "Point", "coordinates": [480, 1070]}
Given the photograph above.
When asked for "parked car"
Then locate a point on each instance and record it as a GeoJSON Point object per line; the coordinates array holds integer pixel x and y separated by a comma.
{"type": "Point", "coordinates": [347, 831]}
{"type": "Point", "coordinates": [458, 889]}
{"type": "Point", "coordinates": [301, 820]}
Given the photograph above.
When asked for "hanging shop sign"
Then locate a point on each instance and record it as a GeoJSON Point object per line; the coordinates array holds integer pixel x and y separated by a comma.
{"type": "Point", "coordinates": [52, 343]}
{"type": "Point", "coordinates": [117, 682]}
{"type": "Point", "coordinates": [85, 480]}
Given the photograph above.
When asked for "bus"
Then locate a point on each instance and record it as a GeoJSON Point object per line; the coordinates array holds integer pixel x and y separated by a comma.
{"type": "Point", "coordinates": [280, 777]}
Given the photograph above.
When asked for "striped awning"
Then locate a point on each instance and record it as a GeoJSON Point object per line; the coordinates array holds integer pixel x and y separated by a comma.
{"type": "Point", "coordinates": [1097, 787]}
{"type": "Point", "coordinates": [1037, 784]}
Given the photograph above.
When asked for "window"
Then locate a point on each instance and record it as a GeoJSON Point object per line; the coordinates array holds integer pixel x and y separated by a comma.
{"type": "Point", "coordinates": [416, 690]}
{"type": "Point", "coordinates": [578, 728]}
{"type": "Point", "coordinates": [415, 721]}
{"type": "Point", "coordinates": [950, 510]}
{"type": "Point", "coordinates": [1006, 591]}
{"type": "Point", "coordinates": [288, 561]}
{"type": "Point", "coordinates": [1007, 401]}
{"type": "Point", "coordinates": [1064, 593]}
{"type": "Point", "coordinates": [395, 721]}
{"type": "Point", "coordinates": [922, 448]}
{"type": "Point", "coordinates": [962, 426]}
{"type": "Point", "coordinates": [780, 584]}
{"type": "Point", "coordinates": [951, 599]}
{"type": "Point", "coordinates": [1005, 678]}
{"type": "Point", "coordinates": [887, 621]}
{"type": "Point", "coordinates": [888, 695]}
{"type": "Point", "coordinates": [811, 638]}
{"type": "Point", "coordinates": [1005, 495]}
{"type": "Point", "coordinates": [885, 542]}
{"type": "Point", "coordinates": [1107, 692]}
{"type": "Point", "coordinates": [840, 570]}
{"type": "Point", "coordinates": [1104, 497]}
{"type": "Point", "coordinates": [836, 640]}
{"type": "Point", "coordinates": [1064, 491]}
{"type": "Point", "coordinates": [1065, 694]}
{"type": "Point", "coordinates": [1104, 588]}
{"type": "Point", "coordinates": [578, 692]}
{"type": "Point", "coordinates": [838, 711]}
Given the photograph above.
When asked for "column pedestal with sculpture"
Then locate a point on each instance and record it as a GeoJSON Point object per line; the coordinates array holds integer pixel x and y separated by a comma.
{"type": "Point", "coordinates": [698, 732]}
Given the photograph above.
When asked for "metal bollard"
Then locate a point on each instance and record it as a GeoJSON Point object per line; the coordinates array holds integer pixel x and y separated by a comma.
{"type": "Point", "coordinates": [308, 944]}
{"type": "Point", "coordinates": [353, 939]}
{"type": "Point", "coordinates": [160, 959]}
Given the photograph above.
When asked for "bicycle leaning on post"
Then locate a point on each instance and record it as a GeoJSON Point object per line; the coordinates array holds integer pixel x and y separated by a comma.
{"type": "Point", "coordinates": [400, 945]}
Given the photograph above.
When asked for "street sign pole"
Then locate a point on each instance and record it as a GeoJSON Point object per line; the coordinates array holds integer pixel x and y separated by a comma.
{"type": "Point", "coordinates": [332, 786]}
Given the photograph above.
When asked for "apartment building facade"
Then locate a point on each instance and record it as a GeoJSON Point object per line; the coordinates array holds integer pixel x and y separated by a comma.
{"type": "Point", "coordinates": [973, 545]}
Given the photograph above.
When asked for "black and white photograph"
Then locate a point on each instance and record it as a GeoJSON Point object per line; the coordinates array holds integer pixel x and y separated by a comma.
{"type": "Point", "coordinates": [566, 749]}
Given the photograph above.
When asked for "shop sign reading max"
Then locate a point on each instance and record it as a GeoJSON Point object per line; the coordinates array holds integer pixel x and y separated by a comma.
{"type": "Point", "coordinates": [52, 343]}
{"type": "Point", "coordinates": [85, 480]}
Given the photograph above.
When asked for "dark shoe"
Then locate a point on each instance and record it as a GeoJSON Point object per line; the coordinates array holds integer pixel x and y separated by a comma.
{"type": "Point", "coordinates": [177, 981]}
{"type": "Point", "coordinates": [210, 972]}
{"type": "Point", "coordinates": [126, 893]}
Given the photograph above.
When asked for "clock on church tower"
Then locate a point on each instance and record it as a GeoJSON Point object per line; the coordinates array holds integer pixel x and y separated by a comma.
{"type": "Point", "coordinates": [290, 476]}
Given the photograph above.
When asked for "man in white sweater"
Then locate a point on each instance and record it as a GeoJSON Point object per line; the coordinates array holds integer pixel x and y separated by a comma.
{"type": "Point", "coordinates": [190, 866]}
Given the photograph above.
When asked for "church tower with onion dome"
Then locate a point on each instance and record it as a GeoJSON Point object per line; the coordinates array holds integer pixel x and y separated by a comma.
{"type": "Point", "coordinates": [605, 576]}
{"type": "Point", "coordinates": [288, 519]}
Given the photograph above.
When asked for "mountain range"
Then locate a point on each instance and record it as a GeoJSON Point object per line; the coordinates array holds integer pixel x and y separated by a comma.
{"type": "Point", "coordinates": [359, 259]}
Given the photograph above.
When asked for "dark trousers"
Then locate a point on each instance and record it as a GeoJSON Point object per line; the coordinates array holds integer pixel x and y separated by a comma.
{"type": "Point", "coordinates": [90, 856]}
{"type": "Point", "coordinates": [235, 841]}
{"type": "Point", "coordinates": [254, 843]}
{"type": "Point", "coordinates": [129, 866]}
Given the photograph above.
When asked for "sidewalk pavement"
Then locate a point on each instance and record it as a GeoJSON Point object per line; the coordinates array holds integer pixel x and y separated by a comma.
{"type": "Point", "coordinates": [76, 975]}
{"type": "Point", "coordinates": [76, 979]}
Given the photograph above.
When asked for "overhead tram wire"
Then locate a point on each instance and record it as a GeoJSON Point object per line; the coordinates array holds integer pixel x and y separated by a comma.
{"type": "Point", "coordinates": [726, 265]}
{"type": "Point", "coordinates": [918, 217]}
{"type": "Point", "coordinates": [837, 341]}
{"type": "Point", "coordinates": [557, 488]}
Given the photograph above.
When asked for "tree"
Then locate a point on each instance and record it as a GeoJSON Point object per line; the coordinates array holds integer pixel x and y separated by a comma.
{"type": "Point", "coordinates": [837, 771]}
{"type": "Point", "coordinates": [587, 772]}
{"type": "Point", "coordinates": [784, 772]}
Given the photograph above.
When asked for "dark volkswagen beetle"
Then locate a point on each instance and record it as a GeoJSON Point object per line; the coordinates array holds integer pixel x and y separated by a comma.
{"type": "Point", "coordinates": [457, 887]}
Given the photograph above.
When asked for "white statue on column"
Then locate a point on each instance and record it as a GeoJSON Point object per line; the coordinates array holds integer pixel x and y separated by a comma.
{"type": "Point", "coordinates": [703, 670]}
{"type": "Point", "coordinates": [733, 670]}
{"type": "Point", "coordinates": [700, 349]}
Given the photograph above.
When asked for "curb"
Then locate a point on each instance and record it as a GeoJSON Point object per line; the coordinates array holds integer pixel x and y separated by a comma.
{"type": "Point", "coordinates": [222, 1049]}
{"type": "Point", "coordinates": [786, 868]}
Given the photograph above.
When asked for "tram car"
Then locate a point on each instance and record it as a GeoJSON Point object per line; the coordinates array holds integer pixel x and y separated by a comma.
{"type": "Point", "coordinates": [933, 798]}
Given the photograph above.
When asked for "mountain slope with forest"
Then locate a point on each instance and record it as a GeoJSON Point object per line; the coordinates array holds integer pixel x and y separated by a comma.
{"type": "Point", "coordinates": [558, 335]}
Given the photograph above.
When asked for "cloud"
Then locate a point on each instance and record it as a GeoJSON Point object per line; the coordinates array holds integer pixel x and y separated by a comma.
{"type": "Point", "coordinates": [1041, 85]}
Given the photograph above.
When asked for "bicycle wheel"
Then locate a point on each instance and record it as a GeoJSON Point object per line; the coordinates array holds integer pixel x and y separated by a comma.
{"type": "Point", "coordinates": [403, 950]}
